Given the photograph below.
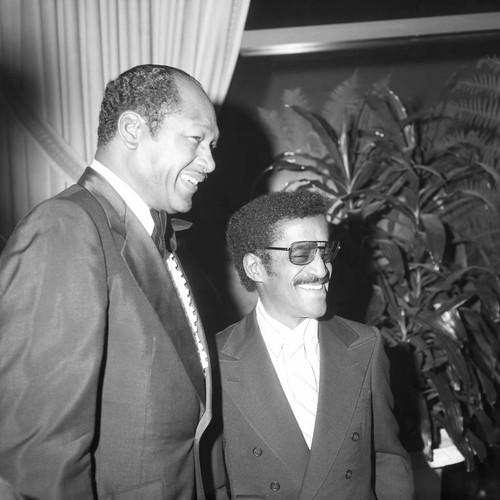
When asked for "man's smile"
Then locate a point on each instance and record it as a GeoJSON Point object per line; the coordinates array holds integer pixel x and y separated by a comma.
{"type": "Point", "coordinates": [311, 286]}
{"type": "Point", "coordinates": [193, 178]}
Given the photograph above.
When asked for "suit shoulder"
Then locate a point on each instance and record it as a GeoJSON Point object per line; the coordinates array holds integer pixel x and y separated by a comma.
{"type": "Point", "coordinates": [57, 222]}
{"type": "Point", "coordinates": [362, 328]}
{"type": "Point", "coordinates": [353, 332]}
{"type": "Point", "coordinates": [54, 210]}
{"type": "Point", "coordinates": [71, 200]}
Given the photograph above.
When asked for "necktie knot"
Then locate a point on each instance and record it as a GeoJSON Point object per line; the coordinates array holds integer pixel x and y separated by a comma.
{"type": "Point", "coordinates": [163, 233]}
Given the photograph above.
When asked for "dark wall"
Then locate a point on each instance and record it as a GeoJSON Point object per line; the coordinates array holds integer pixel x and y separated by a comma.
{"type": "Point", "coordinates": [418, 69]}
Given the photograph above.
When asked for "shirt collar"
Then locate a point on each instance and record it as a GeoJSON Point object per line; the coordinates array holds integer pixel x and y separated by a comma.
{"type": "Point", "coordinates": [276, 334]}
{"type": "Point", "coordinates": [130, 197]}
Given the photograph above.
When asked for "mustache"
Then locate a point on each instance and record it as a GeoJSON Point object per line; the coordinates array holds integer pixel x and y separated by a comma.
{"type": "Point", "coordinates": [312, 280]}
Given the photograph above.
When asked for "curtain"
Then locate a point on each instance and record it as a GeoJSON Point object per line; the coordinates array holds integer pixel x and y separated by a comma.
{"type": "Point", "coordinates": [56, 57]}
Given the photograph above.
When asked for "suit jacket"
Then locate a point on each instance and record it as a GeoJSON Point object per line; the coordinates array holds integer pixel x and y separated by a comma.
{"type": "Point", "coordinates": [101, 389]}
{"type": "Point", "coordinates": [355, 453]}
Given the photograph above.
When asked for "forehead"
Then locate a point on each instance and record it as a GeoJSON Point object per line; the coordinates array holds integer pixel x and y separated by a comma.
{"type": "Point", "coordinates": [305, 229]}
{"type": "Point", "coordinates": [196, 107]}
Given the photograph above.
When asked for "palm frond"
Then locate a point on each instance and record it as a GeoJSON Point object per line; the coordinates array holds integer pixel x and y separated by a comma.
{"type": "Point", "coordinates": [486, 84]}
{"type": "Point", "coordinates": [295, 97]}
{"type": "Point", "coordinates": [273, 123]}
{"type": "Point", "coordinates": [343, 101]}
{"type": "Point", "coordinates": [425, 190]}
{"type": "Point", "coordinates": [477, 112]}
{"type": "Point", "coordinates": [491, 62]}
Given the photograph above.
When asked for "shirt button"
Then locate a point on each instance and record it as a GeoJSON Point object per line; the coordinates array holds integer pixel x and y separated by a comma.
{"type": "Point", "coordinates": [257, 452]}
{"type": "Point", "coordinates": [355, 437]}
{"type": "Point", "coordinates": [274, 486]}
{"type": "Point", "coordinates": [348, 474]}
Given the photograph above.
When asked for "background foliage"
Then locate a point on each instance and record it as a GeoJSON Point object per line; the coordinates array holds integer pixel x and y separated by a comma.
{"type": "Point", "coordinates": [415, 204]}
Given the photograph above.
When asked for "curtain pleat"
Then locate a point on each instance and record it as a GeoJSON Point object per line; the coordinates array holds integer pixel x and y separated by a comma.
{"type": "Point", "coordinates": [56, 57]}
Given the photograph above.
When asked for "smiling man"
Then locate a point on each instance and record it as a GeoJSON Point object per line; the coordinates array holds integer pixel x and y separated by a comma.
{"type": "Point", "coordinates": [306, 403]}
{"type": "Point", "coordinates": [105, 383]}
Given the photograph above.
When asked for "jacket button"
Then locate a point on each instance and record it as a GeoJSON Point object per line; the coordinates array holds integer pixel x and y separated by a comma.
{"type": "Point", "coordinates": [274, 486]}
{"type": "Point", "coordinates": [355, 437]}
{"type": "Point", "coordinates": [257, 452]}
{"type": "Point", "coordinates": [348, 474]}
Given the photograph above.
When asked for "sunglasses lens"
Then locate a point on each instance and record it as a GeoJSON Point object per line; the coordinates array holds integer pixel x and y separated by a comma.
{"type": "Point", "coordinates": [330, 251]}
{"type": "Point", "coordinates": [302, 252]}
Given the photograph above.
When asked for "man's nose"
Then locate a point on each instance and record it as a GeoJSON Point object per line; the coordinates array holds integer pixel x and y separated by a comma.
{"type": "Point", "coordinates": [206, 159]}
{"type": "Point", "coordinates": [319, 265]}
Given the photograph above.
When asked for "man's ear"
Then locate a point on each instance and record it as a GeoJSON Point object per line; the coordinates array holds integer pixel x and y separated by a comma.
{"type": "Point", "coordinates": [130, 125]}
{"type": "Point", "coordinates": [254, 268]}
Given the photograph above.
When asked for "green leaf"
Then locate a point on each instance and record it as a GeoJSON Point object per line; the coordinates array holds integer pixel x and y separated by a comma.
{"type": "Point", "coordinates": [436, 236]}
{"type": "Point", "coordinates": [295, 97]}
{"type": "Point", "coordinates": [343, 101]}
{"type": "Point", "coordinates": [456, 360]}
{"type": "Point", "coordinates": [392, 253]}
{"type": "Point", "coordinates": [477, 445]}
{"type": "Point", "coordinates": [376, 306]}
{"type": "Point", "coordinates": [326, 134]}
{"type": "Point", "coordinates": [488, 387]}
{"type": "Point", "coordinates": [445, 320]}
{"type": "Point", "coordinates": [452, 414]}
{"type": "Point", "coordinates": [425, 427]}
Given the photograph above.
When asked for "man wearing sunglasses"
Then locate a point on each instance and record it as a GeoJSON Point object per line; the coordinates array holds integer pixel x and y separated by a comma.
{"type": "Point", "coordinates": [306, 402]}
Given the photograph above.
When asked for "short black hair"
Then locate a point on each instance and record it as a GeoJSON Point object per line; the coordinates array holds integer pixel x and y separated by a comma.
{"type": "Point", "coordinates": [256, 225]}
{"type": "Point", "coordinates": [149, 89]}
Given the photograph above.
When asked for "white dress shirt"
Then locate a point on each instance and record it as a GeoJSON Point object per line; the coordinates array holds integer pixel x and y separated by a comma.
{"type": "Point", "coordinates": [276, 337]}
{"type": "Point", "coordinates": [142, 211]}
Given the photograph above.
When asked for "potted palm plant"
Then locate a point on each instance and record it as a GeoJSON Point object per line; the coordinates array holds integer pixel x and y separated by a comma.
{"type": "Point", "coordinates": [414, 197]}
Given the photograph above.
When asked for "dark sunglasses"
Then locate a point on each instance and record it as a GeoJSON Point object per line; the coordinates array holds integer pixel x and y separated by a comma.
{"type": "Point", "coordinates": [301, 253]}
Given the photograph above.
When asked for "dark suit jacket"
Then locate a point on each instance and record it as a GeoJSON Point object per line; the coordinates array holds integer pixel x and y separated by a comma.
{"type": "Point", "coordinates": [355, 453]}
{"type": "Point", "coordinates": [101, 389]}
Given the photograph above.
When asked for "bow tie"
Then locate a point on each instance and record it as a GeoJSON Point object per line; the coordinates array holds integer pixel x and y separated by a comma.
{"type": "Point", "coordinates": [164, 231]}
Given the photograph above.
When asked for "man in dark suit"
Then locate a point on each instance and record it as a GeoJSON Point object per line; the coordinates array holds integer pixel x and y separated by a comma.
{"type": "Point", "coordinates": [105, 384]}
{"type": "Point", "coordinates": [306, 402]}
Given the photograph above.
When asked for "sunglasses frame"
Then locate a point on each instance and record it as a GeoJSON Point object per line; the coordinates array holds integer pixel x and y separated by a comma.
{"type": "Point", "coordinates": [333, 253]}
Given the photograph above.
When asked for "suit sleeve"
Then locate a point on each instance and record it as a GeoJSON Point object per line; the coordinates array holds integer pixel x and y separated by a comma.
{"type": "Point", "coordinates": [393, 473]}
{"type": "Point", "coordinates": [53, 300]}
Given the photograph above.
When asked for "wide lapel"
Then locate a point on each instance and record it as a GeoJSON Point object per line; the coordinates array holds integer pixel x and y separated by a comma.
{"type": "Point", "coordinates": [250, 380]}
{"type": "Point", "coordinates": [148, 270]}
{"type": "Point", "coordinates": [341, 377]}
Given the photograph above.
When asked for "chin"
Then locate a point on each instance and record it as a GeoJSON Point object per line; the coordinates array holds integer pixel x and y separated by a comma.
{"type": "Point", "coordinates": [316, 312]}
{"type": "Point", "coordinates": [182, 208]}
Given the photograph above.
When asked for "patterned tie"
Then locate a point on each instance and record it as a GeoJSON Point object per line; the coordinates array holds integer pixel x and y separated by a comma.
{"type": "Point", "coordinates": [304, 387]}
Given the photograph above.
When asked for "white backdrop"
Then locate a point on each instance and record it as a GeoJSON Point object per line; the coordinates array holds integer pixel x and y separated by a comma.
{"type": "Point", "coordinates": [56, 57]}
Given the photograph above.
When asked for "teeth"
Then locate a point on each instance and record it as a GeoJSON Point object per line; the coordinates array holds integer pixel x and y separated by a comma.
{"type": "Point", "coordinates": [312, 286]}
{"type": "Point", "coordinates": [190, 179]}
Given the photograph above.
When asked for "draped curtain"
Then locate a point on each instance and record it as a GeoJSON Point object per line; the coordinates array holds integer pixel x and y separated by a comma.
{"type": "Point", "coordinates": [56, 57]}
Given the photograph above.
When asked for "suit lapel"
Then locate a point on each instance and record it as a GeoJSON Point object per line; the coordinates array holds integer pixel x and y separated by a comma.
{"type": "Point", "coordinates": [252, 384]}
{"type": "Point", "coordinates": [149, 272]}
{"type": "Point", "coordinates": [341, 378]}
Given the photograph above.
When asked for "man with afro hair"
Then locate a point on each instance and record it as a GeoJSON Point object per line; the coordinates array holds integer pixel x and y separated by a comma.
{"type": "Point", "coordinates": [306, 402]}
